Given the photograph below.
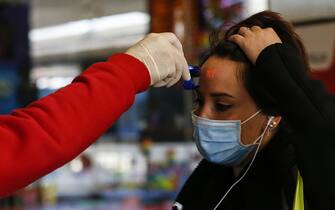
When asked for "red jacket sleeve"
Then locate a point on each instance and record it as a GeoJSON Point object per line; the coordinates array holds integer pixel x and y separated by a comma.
{"type": "Point", "coordinates": [53, 130]}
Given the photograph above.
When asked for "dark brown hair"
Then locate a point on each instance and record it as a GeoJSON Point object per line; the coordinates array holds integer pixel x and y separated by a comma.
{"type": "Point", "coordinates": [265, 19]}
{"type": "Point", "coordinates": [221, 47]}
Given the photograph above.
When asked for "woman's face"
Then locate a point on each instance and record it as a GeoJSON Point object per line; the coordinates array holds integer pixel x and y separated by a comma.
{"type": "Point", "coordinates": [222, 96]}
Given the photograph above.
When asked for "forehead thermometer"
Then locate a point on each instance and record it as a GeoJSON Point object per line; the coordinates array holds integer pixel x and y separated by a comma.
{"type": "Point", "coordinates": [193, 83]}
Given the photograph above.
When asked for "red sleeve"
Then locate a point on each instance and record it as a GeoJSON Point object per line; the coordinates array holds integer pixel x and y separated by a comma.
{"type": "Point", "coordinates": [53, 130]}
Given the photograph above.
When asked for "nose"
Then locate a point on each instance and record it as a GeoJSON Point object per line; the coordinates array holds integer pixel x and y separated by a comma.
{"type": "Point", "coordinates": [204, 112]}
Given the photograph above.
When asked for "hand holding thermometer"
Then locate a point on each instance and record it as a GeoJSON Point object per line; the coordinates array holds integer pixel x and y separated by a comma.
{"type": "Point", "coordinates": [193, 82]}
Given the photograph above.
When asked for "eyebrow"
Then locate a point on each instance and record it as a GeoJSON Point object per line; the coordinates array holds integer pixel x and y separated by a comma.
{"type": "Point", "coordinates": [216, 95]}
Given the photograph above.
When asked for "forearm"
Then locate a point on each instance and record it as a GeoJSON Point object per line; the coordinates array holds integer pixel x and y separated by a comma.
{"type": "Point", "coordinates": [281, 71]}
{"type": "Point", "coordinates": [310, 112]}
{"type": "Point", "coordinates": [50, 132]}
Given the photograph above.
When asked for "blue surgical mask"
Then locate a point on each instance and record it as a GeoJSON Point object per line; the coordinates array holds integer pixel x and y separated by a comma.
{"type": "Point", "coordinates": [219, 141]}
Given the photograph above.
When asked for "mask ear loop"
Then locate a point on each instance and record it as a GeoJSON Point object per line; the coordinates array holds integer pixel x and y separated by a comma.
{"type": "Point", "coordinates": [249, 166]}
{"type": "Point", "coordinates": [252, 116]}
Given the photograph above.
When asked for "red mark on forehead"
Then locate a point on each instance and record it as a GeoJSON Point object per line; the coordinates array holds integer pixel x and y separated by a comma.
{"type": "Point", "coordinates": [210, 73]}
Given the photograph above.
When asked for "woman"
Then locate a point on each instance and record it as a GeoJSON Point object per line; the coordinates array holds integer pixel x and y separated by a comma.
{"type": "Point", "coordinates": [259, 122]}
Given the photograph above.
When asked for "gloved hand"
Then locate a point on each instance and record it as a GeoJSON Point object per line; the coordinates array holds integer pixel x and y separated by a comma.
{"type": "Point", "coordinates": [162, 53]}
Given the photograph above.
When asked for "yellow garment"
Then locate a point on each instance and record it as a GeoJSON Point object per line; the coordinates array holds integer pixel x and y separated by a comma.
{"type": "Point", "coordinates": [299, 194]}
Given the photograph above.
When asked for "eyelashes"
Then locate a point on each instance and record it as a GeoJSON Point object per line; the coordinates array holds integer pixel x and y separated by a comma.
{"type": "Point", "coordinates": [222, 107]}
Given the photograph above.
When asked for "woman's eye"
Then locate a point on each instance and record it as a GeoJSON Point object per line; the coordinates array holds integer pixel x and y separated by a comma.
{"type": "Point", "coordinates": [222, 107]}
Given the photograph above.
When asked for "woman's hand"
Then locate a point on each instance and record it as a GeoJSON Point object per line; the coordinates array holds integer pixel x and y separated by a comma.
{"type": "Point", "coordinates": [253, 40]}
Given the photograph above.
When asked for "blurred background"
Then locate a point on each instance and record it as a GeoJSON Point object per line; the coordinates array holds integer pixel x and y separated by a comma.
{"type": "Point", "coordinates": [144, 159]}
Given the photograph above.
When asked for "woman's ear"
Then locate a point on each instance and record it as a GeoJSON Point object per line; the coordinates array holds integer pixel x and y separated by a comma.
{"type": "Point", "coordinates": [275, 122]}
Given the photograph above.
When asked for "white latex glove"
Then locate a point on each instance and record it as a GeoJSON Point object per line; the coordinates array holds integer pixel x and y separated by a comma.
{"type": "Point", "coordinates": [162, 54]}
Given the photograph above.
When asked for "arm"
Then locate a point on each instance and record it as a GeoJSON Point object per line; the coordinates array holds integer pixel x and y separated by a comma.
{"type": "Point", "coordinates": [282, 71]}
{"type": "Point", "coordinates": [52, 131]}
{"type": "Point", "coordinates": [308, 108]}
{"type": "Point", "coordinates": [304, 102]}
